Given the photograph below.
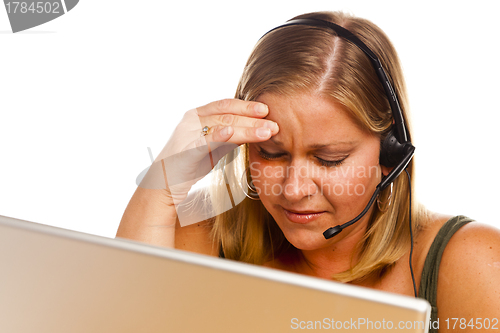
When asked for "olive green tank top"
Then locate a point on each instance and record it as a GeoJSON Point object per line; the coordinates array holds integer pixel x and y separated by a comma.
{"type": "Point", "coordinates": [429, 277]}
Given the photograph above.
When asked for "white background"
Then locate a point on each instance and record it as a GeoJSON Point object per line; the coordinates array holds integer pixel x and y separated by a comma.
{"type": "Point", "coordinates": [83, 96]}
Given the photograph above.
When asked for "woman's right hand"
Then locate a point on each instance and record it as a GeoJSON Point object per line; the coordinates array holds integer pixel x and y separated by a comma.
{"type": "Point", "coordinates": [189, 155]}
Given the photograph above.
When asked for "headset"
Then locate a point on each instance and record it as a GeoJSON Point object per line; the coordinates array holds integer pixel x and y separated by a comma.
{"type": "Point", "coordinates": [396, 150]}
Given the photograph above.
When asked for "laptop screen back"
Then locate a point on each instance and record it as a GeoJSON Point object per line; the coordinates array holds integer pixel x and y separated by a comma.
{"type": "Point", "coordinates": [55, 280]}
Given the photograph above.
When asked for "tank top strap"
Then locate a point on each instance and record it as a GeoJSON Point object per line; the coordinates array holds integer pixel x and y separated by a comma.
{"type": "Point", "coordinates": [429, 277]}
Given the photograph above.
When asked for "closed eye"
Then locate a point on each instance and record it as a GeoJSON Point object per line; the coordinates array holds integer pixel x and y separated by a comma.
{"type": "Point", "coordinates": [328, 163]}
{"type": "Point", "coordinates": [268, 156]}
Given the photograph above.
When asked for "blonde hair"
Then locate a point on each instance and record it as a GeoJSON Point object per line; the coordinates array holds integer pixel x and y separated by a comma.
{"type": "Point", "coordinates": [299, 59]}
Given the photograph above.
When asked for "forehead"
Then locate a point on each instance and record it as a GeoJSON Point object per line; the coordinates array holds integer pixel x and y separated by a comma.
{"type": "Point", "coordinates": [311, 119]}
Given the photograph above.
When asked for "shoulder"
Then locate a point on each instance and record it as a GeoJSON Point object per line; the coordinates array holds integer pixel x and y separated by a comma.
{"type": "Point", "coordinates": [428, 229]}
{"type": "Point", "coordinates": [469, 274]}
{"type": "Point", "coordinates": [196, 238]}
{"type": "Point", "coordinates": [196, 233]}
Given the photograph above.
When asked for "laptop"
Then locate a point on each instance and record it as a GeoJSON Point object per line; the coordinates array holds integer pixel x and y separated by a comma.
{"type": "Point", "coordinates": [55, 280]}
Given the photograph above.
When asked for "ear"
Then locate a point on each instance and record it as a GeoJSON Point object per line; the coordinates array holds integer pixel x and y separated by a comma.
{"type": "Point", "coordinates": [386, 170]}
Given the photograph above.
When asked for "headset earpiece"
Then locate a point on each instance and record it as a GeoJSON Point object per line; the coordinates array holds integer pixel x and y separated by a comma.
{"type": "Point", "coordinates": [392, 151]}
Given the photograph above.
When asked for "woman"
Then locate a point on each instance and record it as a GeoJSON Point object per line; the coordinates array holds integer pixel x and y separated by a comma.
{"type": "Point", "coordinates": [311, 113]}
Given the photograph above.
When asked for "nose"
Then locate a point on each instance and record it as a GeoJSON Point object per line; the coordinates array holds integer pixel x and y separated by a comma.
{"type": "Point", "coordinates": [299, 182]}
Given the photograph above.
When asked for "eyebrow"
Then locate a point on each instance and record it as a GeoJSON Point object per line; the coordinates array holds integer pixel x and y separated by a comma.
{"type": "Point", "coordinates": [314, 145]}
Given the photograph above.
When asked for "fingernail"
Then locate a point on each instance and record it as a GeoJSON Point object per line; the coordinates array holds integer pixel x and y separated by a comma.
{"type": "Point", "coordinates": [263, 132]}
{"type": "Point", "coordinates": [271, 125]}
{"type": "Point", "coordinates": [224, 131]}
{"type": "Point", "coordinates": [260, 109]}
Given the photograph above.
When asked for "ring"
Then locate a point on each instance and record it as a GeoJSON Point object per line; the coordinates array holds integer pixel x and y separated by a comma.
{"type": "Point", "coordinates": [205, 130]}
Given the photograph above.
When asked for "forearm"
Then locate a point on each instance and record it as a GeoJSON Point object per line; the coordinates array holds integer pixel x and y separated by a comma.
{"type": "Point", "coordinates": [150, 217]}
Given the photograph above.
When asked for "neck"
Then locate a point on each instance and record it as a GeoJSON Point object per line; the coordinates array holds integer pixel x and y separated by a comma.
{"type": "Point", "coordinates": [335, 258]}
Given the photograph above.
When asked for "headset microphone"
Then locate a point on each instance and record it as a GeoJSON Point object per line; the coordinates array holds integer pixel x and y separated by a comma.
{"type": "Point", "coordinates": [396, 150]}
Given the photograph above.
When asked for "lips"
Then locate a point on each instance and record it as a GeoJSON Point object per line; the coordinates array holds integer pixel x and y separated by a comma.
{"type": "Point", "coordinates": [302, 217]}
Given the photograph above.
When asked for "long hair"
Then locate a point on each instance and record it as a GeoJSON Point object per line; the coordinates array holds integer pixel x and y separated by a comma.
{"type": "Point", "coordinates": [298, 59]}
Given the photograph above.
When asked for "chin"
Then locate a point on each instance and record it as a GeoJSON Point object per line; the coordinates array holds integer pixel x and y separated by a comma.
{"type": "Point", "coordinates": [306, 240]}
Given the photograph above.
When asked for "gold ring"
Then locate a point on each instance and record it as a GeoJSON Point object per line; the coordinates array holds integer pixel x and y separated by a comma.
{"type": "Point", "coordinates": [205, 130]}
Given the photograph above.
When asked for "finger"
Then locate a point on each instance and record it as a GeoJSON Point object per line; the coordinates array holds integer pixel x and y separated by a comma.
{"type": "Point", "coordinates": [220, 134]}
{"type": "Point", "coordinates": [240, 121]}
{"type": "Point", "coordinates": [234, 106]}
{"type": "Point", "coordinates": [227, 120]}
{"type": "Point", "coordinates": [239, 135]}
{"type": "Point", "coordinates": [225, 139]}
{"type": "Point", "coordinates": [250, 135]}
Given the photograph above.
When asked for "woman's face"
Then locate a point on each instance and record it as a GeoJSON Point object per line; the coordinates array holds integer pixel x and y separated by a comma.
{"type": "Point", "coordinates": [319, 171]}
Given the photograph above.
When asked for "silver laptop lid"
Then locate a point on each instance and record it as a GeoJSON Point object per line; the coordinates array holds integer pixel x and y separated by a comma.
{"type": "Point", "coordinates": [56, 280]}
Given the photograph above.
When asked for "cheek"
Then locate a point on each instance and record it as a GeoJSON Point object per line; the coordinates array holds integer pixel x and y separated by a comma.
{"type": "Point", "coordinates": [346, 182]}
{"type": "Point", "coordinates": [266, 175]}
{"type": "Point", "coordinates": [263, 170]}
